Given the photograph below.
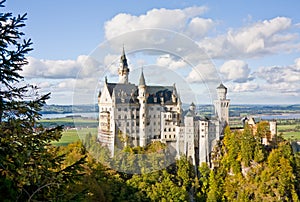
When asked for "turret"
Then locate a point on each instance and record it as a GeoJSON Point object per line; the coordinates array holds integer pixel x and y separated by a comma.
{"type": "Point", "coordinates": [174, 94]}
{"type": "Point", "coordinates": [192, 107]}
{"type": "Point", "coordinates": [221, 91]}
{"type": "Point", "coordinates": [222, 105]}
{"type": "Point", "coordinates": [143, 110]}
{"type": "Point", "coordinates": [123, 69]}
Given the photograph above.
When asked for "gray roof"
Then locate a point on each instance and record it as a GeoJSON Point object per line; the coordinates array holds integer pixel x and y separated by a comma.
{"type": "Point", "coordinates": [123, 59]}
{"type": "Point", "coordinates": [158, 92]}
{"type": "Point", "coordinates": [142, 79]}
{"type": "Point", "coordinates": [221, 86]}
{"type": "Point", "coordinates": [128, 93]}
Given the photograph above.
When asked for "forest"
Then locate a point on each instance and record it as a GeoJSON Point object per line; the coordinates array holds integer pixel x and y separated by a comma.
{"type": "Point", "coordinates": [33, 169]}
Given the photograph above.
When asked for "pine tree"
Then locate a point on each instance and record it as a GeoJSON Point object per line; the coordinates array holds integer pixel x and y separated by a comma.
{"type": "Point", "coordinates": [30, 168]}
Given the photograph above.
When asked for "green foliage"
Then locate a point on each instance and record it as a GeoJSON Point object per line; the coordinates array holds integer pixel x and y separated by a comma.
{"type": "Point", "coordinates": [30, 169]}
{"type": "Point", "coordinates": [248, 172]}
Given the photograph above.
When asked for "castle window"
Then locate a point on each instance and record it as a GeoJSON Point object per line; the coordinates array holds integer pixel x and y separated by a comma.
{"type": "Point", "coordinates": [170, 136]}
{"type": "Point", "coordinates": [119, 109]}
{"type": "Point", "coordinates": [169, 129]}
{"type": "Point", "coordinates": [119, 116]}
{"type": "Point", "coordinates": [153, 115]}
{"type": "Point", "coordinates": [165, 129]}
{"type": "Point", "coordinates": [127, 123]}
{"type": "Point", "coordinates": [125, 116]}
{"type": "Point", "coordinates": [173, 129]}
{"type": "Point", "coordinates": [125, 109]}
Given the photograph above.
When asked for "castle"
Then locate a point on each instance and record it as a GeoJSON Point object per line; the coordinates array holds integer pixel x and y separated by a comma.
{"type": "Point", "coordinates": [136, 115]}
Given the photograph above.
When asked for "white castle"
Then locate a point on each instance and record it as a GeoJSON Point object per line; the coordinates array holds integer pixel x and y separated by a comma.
{"type": "Point", "coordinates": [136, 115]}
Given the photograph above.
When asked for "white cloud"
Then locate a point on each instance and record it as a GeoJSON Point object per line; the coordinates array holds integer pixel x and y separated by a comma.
{"type": "Point", "coordinates": [170, 62]}
{"type": "Point", "coordinates": [198, 27]}
{"type": "Point", "coordinates": [235, 70]}
{"type": "Point", "coordinates": [297, 64]}
{"type": "Point", "coordinates": [181, 20]}
{"type": "Point", "coordinates": [244, 87]}
{"type": "Point", "coordinates": [266, 37]}
{"type": "Point", "coordinates": [274, 75]}
{"type": "Point", "coordinates": [203, 73]}
{"type": "Point", "coordinates": [83, 66]}
{"type": "Point", "coordinates": [283, 79]}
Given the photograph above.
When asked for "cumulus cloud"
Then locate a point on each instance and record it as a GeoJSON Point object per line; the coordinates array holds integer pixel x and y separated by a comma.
{"type": "Point", "coordinates": [283, 79]}
{"type": "Point", "coordinates": [83, 66]}
{"type": "Point", "coordinates": [203, 73]}
{"type": "Point", "coordinates": [245, 87]}
{"type": "Point", "coordinates": [277, 74]}
{"type": "Point", "coordinates": [265, 37]}
{"type": "Point", "coordinates": [170, 62]}
{"type": "Point", "coordinates": [181, 20]}
{"type": "Point", "coordinates": [235, 70]}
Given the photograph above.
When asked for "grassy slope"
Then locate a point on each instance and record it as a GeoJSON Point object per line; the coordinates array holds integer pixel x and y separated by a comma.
{"type": "Point", "coordinates": [78, 128]}
{"type": "Point", "coordinates": [73, 135]}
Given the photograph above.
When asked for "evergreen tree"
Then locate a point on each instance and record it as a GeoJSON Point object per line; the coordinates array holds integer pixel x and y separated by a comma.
{"type": "Point", "coordinates": [30, 168]}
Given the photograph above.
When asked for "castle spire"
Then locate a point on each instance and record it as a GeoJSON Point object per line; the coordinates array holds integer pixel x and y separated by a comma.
{"type": "Point", "coordinates": [143, 110]}
{"type": "Point", "coordinates": [123, 68]}
{"type": "Point", "coordinates": [142, 79]}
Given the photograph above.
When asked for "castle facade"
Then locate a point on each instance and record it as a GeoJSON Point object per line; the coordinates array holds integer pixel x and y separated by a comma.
{"type": "Point", "coordinates": [136, 115]}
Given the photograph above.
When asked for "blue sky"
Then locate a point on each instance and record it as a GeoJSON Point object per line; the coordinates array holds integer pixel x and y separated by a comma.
{"type": "Point", "coordinates": [253, 45]}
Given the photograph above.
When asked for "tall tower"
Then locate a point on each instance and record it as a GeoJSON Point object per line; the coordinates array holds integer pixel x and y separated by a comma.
{"type": "Point", "coordinates": [222, 104]}
{"type": "Point", "coordinates": [123, 68]}
{"type": "Point", "coordinates": [143, 110]}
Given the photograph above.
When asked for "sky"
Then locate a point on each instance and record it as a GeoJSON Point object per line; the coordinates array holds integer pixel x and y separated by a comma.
{"type": "Point", "coordinates": [251, 46]}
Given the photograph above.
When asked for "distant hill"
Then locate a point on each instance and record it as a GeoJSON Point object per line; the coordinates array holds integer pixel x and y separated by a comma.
{"type": "Point", "coordinates": [63, 109]}
{"type": "Point", "coordinates": [234, 110]}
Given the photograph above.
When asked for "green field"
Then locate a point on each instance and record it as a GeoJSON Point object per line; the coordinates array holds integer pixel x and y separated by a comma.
{"type": "Point", "coordinates": [290, 130]}
{"type": "Point", "coordinates": [70, 122]}
{"type": "Point", "coordinates": [73, 135]}
{"type": "Point", "coordinates": [75, 128]}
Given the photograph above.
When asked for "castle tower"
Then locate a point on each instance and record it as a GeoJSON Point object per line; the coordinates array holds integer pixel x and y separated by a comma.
{"type": "Point", "coordinates": [123, 70]}
{"type": "Point", "coordinates": [143, 110]}
{"type": "Point", "coordinates": [273, 130]}
{"type": "Point", "coordinates": [222, 104]}
{"type": "Point", "coordinates": [174, 94]}
{"type": "Point", "coordinates": [192, 107]}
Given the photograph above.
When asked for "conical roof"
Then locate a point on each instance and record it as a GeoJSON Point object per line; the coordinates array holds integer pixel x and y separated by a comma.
{"type": "Point", "coordinates": [123, 59]}
{"type": "Point", "coordinates": [142, 79]}
{"type": "Point", "coordinates": [221, 86]}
